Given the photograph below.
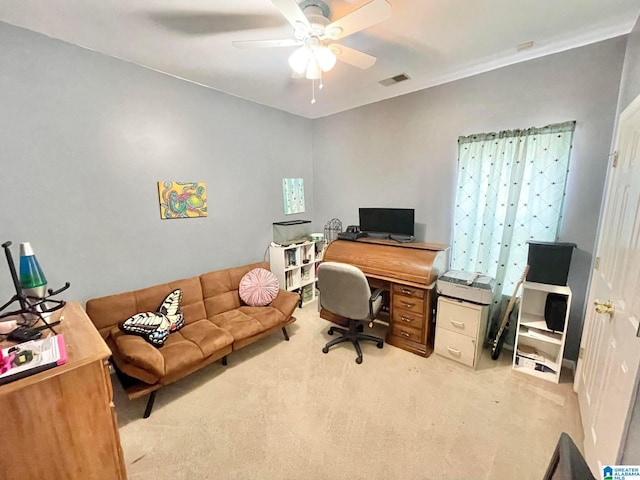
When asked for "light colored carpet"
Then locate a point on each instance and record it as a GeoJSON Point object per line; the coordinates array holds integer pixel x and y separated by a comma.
{"type": "Point", "coordinates": [285, 410]}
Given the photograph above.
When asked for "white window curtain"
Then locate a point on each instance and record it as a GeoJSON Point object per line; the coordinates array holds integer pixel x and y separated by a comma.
{"type": "Point", "coordinates": [511, 188]}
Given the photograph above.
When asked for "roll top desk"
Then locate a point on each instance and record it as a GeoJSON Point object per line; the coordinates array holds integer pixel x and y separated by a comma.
{"type": "Point", "coordinates": [409, 272]}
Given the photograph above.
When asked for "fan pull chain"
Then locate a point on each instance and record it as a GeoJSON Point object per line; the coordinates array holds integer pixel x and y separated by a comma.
{"type": "Point", "coordinates": [313, 88]}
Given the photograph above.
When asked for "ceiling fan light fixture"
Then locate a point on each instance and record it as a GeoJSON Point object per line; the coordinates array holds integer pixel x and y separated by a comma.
{"type": "Point", "coordinates": [313, 70]}
{"type": "Point", "coordinates": [299, 60]}
{"type": "Point", "coordinates": [325, 57]}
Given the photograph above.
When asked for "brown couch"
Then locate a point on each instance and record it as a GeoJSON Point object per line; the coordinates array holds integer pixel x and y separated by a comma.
{"type": "Point", "coordinates": [216, 322]}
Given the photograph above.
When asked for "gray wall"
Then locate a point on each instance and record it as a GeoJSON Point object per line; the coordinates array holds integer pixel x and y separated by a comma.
{"type": "Point", "coordinates": [629, 90]}
{"type": "Point", "coordinates": [402, 152]}
{"type": "Point", "coordinates": [85, 138]}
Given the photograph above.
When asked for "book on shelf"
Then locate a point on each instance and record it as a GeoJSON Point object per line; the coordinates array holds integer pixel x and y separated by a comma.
{"type": "Point", "coordinates": [291, 258]}
{"type": "Point", "coordinates": [29, 358]}
{"type": "Point", "coordinates": [307, 293]}
{"type": "Point", "coordinates": [525, 362]}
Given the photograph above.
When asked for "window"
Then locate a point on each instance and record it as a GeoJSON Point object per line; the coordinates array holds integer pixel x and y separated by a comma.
{"type": "Point", "coordinates": [511, 188]}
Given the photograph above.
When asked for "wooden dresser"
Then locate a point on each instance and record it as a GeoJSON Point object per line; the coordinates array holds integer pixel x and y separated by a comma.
{"type": "Point", "coordinates": [408, 271]}
{"type": "Point", "coordinates": [60, 423]}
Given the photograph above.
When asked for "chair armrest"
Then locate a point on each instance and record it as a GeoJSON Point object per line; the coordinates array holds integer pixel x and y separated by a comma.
{"type": "Point", "coordinates": [376, 293]}
{"type": "Point", "coordinates": [374, 296]}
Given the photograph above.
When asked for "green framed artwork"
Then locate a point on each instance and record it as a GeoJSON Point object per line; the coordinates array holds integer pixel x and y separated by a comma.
{"type": "Point", "coordinates": [293, 195]}
{"type": "Point", "coordinates": [182, 199]}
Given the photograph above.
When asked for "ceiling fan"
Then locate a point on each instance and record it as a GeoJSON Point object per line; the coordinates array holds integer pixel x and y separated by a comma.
{"type": "Point", "coordinates": [314, 34]}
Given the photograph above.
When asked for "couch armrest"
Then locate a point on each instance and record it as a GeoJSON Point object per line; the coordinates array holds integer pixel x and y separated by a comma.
{"type": "Point", "coordinates": [138, 352]}
{"type": "Point", "coordinates": [286, 302]}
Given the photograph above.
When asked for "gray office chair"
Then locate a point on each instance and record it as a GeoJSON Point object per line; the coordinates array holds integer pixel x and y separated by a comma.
{"type": "Point", "coordinates": [344, 291]}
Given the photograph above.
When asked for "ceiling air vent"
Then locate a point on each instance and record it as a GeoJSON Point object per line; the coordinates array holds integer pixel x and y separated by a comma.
{"type": "Point", "coordinates": [395, 79]}
{"type": "Point", "coordinates": [524, 46]}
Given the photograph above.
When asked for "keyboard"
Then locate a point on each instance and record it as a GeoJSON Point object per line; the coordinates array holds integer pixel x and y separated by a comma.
{"type": "Point", "coordinates": [402, 238]}
{"type": "Point", "coordinates": [351, 235]}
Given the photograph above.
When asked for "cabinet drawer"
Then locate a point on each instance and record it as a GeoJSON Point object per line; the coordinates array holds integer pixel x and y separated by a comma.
{"type": "Point", "coordinates": [415, 305]}
{"type": "Point", "coordinates": [455, 346]}
{"type": "Point", "coordinates": [408, 291]}
{"type": "Point", "coordinates": [408, 319]}
{"type": "Point", "coordinates": [459, 317]}
{"type": "Point", "coordinates": [407, 333]}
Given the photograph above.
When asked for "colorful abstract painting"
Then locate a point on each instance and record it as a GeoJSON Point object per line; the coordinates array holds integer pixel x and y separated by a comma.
{"type": "Point", "coordinates": [182, 199]}
{"type": "Point", "coordinates": [293, 195]}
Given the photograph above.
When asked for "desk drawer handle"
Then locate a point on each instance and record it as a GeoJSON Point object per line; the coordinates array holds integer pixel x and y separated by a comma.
{"type": "Point", "coordinates": [406, 319]}
{"type": "Point", "coordinates": [453, 351]}
{"type": "Point", "coordinates": [457, 324]}
{"type": "Point", "coordinates": [405, 334]}
{"type": "Point", "coordinates": [407, 291]}
{"type": "Point", "coordinates": [407, 304]}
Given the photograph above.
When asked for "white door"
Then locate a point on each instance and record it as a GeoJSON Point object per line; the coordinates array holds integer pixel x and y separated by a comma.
{"type": "Point", "coordinates": [607, 372]}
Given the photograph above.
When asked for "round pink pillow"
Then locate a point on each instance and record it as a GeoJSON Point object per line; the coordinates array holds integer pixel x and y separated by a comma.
{"type": "Point", "coordinates": [258, 287]}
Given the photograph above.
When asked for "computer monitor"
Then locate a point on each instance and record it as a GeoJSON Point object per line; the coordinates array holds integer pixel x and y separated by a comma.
{"type": "Point", "coordinates": [398, 221]}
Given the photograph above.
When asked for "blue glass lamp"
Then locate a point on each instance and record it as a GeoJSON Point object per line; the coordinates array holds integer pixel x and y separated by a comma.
{"type": "Point", "coordinates": [32, 280]}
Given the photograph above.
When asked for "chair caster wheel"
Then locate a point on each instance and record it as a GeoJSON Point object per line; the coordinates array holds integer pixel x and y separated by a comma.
{"type": "Point", "coordinates": [359, 360]}
{"type": "Point", "coordinates": [380, 344]}
{"type": "Point", "coordinates": [325, 350]}
{"type": "Point", "coordinates": [330, 332]}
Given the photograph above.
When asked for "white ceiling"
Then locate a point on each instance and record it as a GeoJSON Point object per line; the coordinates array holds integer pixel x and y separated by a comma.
{"type": "Point", "coordinates": [433, 41]}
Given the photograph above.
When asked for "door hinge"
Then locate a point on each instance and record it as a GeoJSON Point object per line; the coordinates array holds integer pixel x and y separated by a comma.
{"type": "Point", "coordinates": [615, 159]}
{"type": "Point", "coordinates": [581, 352]}
{"type": "Point", "coordinates": [596, 264]}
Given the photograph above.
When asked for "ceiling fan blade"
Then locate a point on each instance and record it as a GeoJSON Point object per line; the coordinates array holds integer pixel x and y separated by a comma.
{"type": "Point", "coordinates": [287, 42]}
{"type": "Point", "coordinates": [292, 12]}
{"type": "Point", "coordinates": [206, 22]}
{"type": "Point", "coordinates": [353, 57]}
{"type": "Point", "coordinates": [367, 15]}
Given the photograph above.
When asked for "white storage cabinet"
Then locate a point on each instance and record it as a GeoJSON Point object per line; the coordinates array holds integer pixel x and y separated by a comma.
{"type": "Point", "coordinates": [296, 267]}
{"type": "Point", "coordinates": [538, 351]}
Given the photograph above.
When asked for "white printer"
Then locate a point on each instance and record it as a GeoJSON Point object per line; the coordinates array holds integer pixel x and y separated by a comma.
{"type": "Point", "coordinates": [470, 286]}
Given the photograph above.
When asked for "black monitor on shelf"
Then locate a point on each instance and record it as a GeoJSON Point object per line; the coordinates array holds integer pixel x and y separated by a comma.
{"type": "Point", "coordinates": [387, 222]}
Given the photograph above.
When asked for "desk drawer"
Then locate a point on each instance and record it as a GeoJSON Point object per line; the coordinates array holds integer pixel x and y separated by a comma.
{"type": "Point", "coordinates": [414, 305]}
{"type": "Point", "coordinates": [408, 319]}
{"type": "Point", "coordinates": [408, 291]}
{"type": "Point", "coordinates": [459, 317]}
{"type": "Point", "coordinates": [406, 332]}
{"type": "Point", "coordinates": [455, 346]}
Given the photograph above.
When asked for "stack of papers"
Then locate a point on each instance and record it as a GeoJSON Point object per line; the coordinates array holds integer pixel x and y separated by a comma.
{"type": "Point", "coordinates": [46, 353]}
{"type": "Point", "coordinates": [530, 352]}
